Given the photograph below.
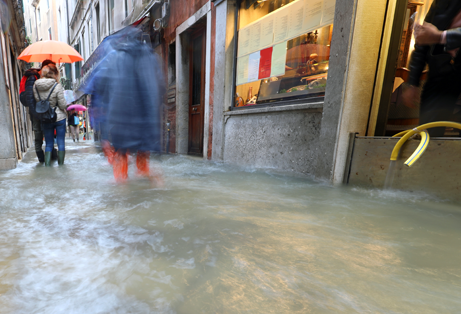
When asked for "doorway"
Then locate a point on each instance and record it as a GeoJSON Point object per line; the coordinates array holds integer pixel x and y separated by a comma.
{"type": "Point", "coordinates": [197, 92]}
{"type": "Point", "coordinates": [393, 116]}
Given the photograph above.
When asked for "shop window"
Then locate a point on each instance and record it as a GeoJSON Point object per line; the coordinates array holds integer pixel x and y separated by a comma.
{"type": "Point", "coordinates": [283, 50]}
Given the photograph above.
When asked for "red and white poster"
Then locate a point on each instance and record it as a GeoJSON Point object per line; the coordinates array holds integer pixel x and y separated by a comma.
{"type": "Point", "coordinates": [265, 63]}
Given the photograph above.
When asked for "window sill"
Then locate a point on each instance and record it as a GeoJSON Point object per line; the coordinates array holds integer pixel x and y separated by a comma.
{"type": "Point", "coordinates": [313, 107]}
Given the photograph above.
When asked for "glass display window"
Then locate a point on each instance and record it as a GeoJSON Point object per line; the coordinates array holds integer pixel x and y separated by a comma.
{"type": "Point", "coordinates": [283, 50]}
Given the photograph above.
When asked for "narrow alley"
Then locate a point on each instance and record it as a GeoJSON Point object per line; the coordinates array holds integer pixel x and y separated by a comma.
{"type": "Point", "coordinates": [218, 239]}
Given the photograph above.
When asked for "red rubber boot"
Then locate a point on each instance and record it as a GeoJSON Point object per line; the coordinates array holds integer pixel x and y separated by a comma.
{"type": "Point", "coordinates": [120, 165]}
{"type": "Point", "coordinates": [142, 162]}
{"type": "Point", "coordinates": [108, 151]}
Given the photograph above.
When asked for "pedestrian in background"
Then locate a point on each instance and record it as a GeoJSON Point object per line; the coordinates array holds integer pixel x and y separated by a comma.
{"type": "Point", "coordinates": [48, 86]}
{"type": "Point", "coordinates": [73, 123]}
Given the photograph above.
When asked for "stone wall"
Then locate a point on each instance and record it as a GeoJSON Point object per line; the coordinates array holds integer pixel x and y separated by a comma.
{"type": "Point", "coordinates": [15, 126]}
{"type": "Point", "coordinates": [284, 140]}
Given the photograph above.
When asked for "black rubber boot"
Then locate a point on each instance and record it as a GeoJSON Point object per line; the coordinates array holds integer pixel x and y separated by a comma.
{"type": "Point", "coordinates": [48, 159]}
{"type": "Point", "coordinates": [61, 155]}
{"type": "Point", "coordinates": [54, 154]}
{"type": "Point", "coordinates": [40, 156]}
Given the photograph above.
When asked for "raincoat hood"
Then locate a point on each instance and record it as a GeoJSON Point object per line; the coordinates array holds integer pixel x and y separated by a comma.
{"type": "Point", "coordinates": [33, 71]}
{"type": "Point", "coordinates": [45, 84]}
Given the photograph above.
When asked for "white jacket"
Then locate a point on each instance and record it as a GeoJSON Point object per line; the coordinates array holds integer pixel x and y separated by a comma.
{"type": "Point", "coordinates": [44, 86]}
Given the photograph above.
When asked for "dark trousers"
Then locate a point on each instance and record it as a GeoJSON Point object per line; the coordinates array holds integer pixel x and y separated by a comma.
{"type": "Point", "coordinates": [38, 134]}
{"type": "Point", "coordinates": [48, 130]}
{"type": "Point", "coordinates": [438, 102]}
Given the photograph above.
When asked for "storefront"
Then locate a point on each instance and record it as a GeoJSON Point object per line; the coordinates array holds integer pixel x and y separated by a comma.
{"type": "Point", "coordinates": [301, 76]}
{"type": "Point", "coordinates": [276, 60]}
{"type": "Point", "coordinates": [286, 84]}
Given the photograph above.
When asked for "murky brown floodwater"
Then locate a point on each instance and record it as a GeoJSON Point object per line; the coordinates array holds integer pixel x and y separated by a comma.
{"type": "Point", "coordinates": [218, 239]}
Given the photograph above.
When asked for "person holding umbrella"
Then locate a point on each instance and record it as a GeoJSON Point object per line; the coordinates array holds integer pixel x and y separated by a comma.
{"type": "Point", "coordinates": [56, 52]}
{"type": "Point", "coordinates": [26, 95]}
{"type": "Point", "coordinates": [48, 86]}
{"type": "Point", "coordinates": [74, 121]}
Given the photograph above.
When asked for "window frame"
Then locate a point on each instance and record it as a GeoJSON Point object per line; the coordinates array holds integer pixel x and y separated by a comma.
{"type": "Point", "coordinates": [98, 22]}
{"type": "Point", "coordinates": [294, 100]}
{"type": "Point", "coordinates": [83, 45]}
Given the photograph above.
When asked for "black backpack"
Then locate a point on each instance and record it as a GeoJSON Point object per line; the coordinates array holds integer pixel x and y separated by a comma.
{"type": "Point", "coordinates": [27, 96]}
{"type": "Point", "coordinates": [45, 113]}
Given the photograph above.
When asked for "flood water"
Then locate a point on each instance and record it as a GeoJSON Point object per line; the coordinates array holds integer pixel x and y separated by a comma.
{"type": "Point", "coordinates": [218, 239]}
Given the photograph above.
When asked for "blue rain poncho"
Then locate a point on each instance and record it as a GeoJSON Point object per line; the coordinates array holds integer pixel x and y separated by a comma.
{"type": "Point", "coordinates": [128, 89]}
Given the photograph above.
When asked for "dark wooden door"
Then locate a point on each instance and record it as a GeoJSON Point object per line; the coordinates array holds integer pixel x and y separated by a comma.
{"type": "Point", "coordinates": [197, 92]}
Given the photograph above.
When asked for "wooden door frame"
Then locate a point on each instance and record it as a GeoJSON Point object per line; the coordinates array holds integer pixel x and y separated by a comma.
{"type": "Point", "coordinates": [193, 35]}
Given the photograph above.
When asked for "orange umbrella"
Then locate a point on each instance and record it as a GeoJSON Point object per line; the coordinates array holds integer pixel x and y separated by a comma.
{"type": "Point", "coordinates": [56, 51]}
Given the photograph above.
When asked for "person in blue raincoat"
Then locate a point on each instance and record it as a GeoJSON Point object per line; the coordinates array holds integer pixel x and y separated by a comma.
{"type": "Point", "coordinates": [128, 89]}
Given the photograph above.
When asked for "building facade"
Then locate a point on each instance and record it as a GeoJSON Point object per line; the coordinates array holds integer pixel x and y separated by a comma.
{"type": "Point", "coordinates": [15, 127]}
{"type": "Point", "coordinates": [273, 84]}
{"type": "Point", "coordinates": [284, 83]}
{"type": "Point", "coordinates": [41, 20]}
{"type": "Point", "coordinates": [89, 22]}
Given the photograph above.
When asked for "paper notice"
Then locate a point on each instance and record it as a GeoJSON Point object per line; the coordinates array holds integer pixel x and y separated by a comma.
{"type": "Point", "coordinates": [265, 62]}
{"type": "Point", "coordinates": [255, 37]}
{"type": "Point", "coordinates": [267, 31]}
{"type": "Point", "coordinates": [296, 17]}
{"type": "Point", "coordinates": [244, 41]}
{"type": "Point", "coordinates": [328, 12]}
{"type": "Point", "coordinates": [279, 59]}
{"type": "Point", "coordinates": [253, 66]}
{"type": "Point", "coordinates": [312, 15]}
{"type": "Point", "coordinates": [242, 70]}
{"type": "Point", "coordinates": [281, 26]}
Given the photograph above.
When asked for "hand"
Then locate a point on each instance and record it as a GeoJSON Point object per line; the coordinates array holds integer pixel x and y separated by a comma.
{"type": "Point", "coordinates": [427, 34]}
{"type": "Point", "coordinates": [411, 97]}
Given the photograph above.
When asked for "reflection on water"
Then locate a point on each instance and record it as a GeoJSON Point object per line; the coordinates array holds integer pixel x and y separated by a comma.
{"type": "Point", "coordinates": [218, 239]}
